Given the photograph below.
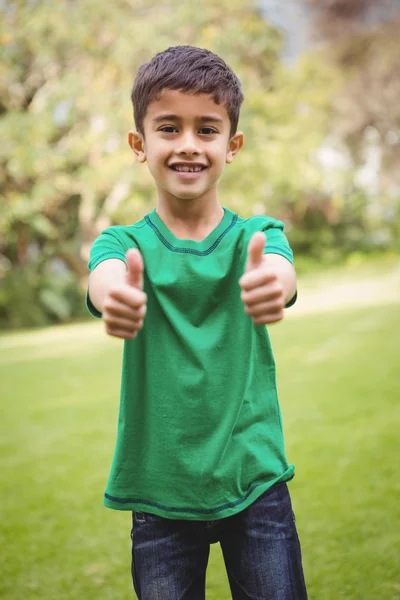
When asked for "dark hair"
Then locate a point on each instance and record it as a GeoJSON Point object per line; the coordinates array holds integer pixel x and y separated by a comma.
{"type": "Point", "coordinates": [191, 70]}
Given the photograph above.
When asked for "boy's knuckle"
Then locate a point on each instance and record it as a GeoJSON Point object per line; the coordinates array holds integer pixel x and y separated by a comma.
{"type": "Point", "coordinates": [260, 321]}
{"type": "Point", "coordinates": [278, 316]}
{"type": "Point", "coordinates": [114, 291]}
{"type": "Point", "coordinates": [137, 297]}
{"type": "Point", "coordinates": [107, 304]}
{"type": "Point", "coordinates": [107, 318]}
{"type": "Point", "coordinates": [268, 276]}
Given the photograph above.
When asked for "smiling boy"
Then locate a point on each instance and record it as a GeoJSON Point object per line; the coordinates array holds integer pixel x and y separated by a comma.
{"type": "Point", "coordinates": [200, 453]}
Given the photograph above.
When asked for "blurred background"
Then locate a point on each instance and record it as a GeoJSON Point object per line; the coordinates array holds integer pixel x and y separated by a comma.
{"type": "Point", "coordinates": [321, 118]}
{"type": "Point", "coordinates": [322, 152]}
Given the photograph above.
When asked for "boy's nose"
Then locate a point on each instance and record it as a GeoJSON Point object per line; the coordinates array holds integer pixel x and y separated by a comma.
{"type": "Point", "coordinates": [188, 145]}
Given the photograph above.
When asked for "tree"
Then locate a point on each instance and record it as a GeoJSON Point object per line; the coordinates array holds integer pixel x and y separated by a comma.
{"type": "Point", "coordinates": [66, 173]}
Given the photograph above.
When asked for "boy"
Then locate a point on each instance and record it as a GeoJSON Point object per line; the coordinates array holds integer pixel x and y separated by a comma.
{"type": "Point", "coordinates": [199, 455]}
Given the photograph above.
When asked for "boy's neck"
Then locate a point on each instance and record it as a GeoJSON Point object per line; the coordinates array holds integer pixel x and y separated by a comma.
{"type": "Point", "coordinates": [188, 219]}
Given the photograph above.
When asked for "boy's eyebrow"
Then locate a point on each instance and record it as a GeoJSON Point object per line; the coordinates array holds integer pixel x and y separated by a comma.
{"type": "Point", "coordinates": [203, 119]}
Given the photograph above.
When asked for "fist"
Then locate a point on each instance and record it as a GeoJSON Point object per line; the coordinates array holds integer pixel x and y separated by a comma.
{"type": "Point", "coordinates": [125, 304]}
{"type": "Point", "coordinates": [262, 292]}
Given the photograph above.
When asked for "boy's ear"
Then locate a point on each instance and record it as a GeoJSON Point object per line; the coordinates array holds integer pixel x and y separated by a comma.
{"type": "Point", "coordinates": [136, 142]}
{"type": "Point", "coordinates": [234, 145]}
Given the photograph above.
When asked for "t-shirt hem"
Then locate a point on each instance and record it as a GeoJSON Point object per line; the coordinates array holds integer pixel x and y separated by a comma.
{"type": "Point", "coordinates": [196, 513]}
{"type": "Point", "coordinates": [281, 251]}
{"type": "Point", "coordinates": [93, 263]}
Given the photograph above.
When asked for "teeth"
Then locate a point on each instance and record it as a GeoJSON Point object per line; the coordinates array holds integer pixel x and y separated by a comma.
{"type": "Point", "coordinates": [186, 169]}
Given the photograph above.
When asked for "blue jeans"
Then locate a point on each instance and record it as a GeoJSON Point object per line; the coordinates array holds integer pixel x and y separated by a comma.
{"type": "Point", "coordinates": [260, 546]}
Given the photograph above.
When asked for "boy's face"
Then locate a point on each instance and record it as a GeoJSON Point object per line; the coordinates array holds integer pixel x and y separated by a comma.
{"type": "Point", "coordinates": [181, 132]}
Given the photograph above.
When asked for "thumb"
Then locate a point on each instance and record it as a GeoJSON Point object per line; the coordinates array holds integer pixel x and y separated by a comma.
{"type": "Point", "coordinates": [135, 268]}
{"type": "Point", "coordinates": [255, 250]}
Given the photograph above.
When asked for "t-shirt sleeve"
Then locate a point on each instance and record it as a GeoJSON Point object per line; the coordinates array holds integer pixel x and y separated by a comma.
{"type": "Point", "coordinates": [108, 245]}
{"type": "Point", "coordinates": [277, 243]}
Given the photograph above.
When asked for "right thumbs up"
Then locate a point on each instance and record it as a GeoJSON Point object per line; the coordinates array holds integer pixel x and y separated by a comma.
{"type": "Point", "coordinates": [135, 268]}
{"type": "Point", "coordinates": [124, 305]}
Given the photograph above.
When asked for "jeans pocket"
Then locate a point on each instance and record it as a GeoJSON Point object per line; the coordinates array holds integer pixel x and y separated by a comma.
{"type": "Point", "coordinates": [139, 517]}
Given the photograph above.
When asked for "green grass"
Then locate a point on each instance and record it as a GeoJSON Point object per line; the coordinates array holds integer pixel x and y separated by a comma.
{"type": "Point", "coordinates": [340, 390]}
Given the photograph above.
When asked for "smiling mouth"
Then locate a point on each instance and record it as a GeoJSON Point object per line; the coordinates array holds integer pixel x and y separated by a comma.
{"type": "Point", "coordinates": [187, 169]}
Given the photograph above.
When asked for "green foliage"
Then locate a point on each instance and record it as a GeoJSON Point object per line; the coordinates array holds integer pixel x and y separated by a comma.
{"type": "Point", "coordinates": [66, 171]}
{"type": "Point", "coordinates": [29, 298]}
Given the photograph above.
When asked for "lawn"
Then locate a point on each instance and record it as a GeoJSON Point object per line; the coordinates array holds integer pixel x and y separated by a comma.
{"type": "Point", "coordinates": [340, 397]}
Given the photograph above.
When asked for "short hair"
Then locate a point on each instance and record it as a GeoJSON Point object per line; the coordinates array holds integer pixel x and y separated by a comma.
{"type": "Point", "coordinates": [190, 70]}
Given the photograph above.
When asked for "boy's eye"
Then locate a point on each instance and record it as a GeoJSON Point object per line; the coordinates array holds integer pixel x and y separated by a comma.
{"type": "Point", "coordinates": [168, 129]}
{"type": "Point", "coordinates": [173, 129]}
{"type": "Point", "coordinates": [207, 130]}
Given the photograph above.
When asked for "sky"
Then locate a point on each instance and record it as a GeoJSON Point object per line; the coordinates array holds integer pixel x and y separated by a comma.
{"type": "Point", "coordinates": [293, 18]}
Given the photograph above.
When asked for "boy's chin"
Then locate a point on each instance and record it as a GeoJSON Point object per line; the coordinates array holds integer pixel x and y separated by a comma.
{"type": "Point", "coordinates": [187, 196]}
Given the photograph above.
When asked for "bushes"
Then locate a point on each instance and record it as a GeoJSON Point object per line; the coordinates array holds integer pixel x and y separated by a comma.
{"type": "Point", "coordinates": [31, 298]}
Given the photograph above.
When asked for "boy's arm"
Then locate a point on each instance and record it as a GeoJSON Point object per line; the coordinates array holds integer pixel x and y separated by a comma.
{"type": "Point", "coordinates": [108, 274]}
{"type": "Point", "coordinates": [268, 285]}
{"type": "Point", "coordinates": [116, 291]}
{"type": "Point", "coordinates": [285, 272]}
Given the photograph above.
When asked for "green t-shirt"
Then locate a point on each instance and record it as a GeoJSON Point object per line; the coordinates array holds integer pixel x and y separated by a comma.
{"type": "Point", "coordinates": [199, 431]}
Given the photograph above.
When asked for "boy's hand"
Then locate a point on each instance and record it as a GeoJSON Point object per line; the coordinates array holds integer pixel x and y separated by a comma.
{"type": "Point", "coordinates": [262, 292]}
{"type": "Point", "coordinates": [125, 305]}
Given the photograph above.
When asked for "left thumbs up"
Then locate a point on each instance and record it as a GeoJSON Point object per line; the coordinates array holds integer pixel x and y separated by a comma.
{"type": "Point", "coordinates": [255, 250]}
{"type": "Point", "coordinates": [262, 292]}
